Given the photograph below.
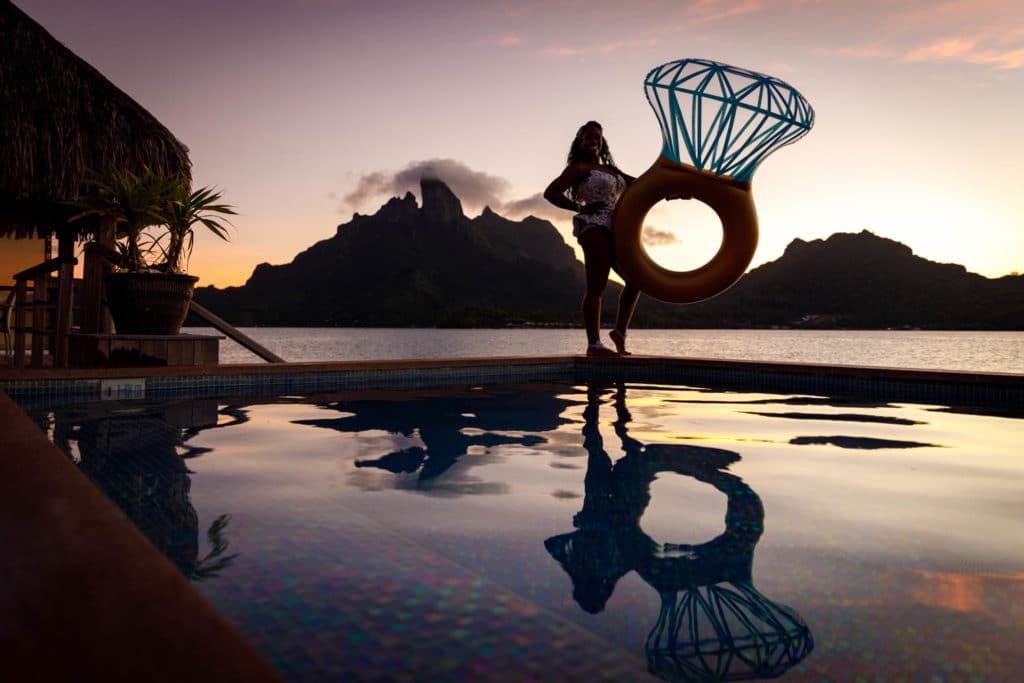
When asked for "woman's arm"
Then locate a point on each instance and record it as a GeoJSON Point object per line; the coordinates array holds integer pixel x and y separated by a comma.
{"type": "Point", "coordinates": [556, 191]}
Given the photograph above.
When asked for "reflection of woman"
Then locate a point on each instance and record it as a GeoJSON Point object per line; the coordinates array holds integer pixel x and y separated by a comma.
{"type": "Point", "coordinates": [713, 623]}
{"type": "Point", "coordinates": [608, 541]}
{"type": "Point", "coordinates": [590, 186]}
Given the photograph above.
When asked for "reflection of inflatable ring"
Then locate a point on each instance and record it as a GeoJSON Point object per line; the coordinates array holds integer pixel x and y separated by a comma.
{"type": "Point", "coordinates": [731, 200]}
{"type": "Point", "coordinates": [714, 625]}
{"type": "Point", "coordinates": [728, 556]}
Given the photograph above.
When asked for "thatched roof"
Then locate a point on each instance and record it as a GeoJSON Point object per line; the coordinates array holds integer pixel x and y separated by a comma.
{"type": "Point", "coordinates": [58, 118]}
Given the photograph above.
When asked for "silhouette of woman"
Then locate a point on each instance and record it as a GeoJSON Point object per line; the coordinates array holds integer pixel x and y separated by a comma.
{"type": "Point", "coordinates": [590, 186]}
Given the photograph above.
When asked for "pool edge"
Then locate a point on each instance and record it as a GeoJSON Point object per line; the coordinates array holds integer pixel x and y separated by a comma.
{"type": "Point", "coordinates": [940, 386]}
{"type": "Point", "coordinates": [85, 594]}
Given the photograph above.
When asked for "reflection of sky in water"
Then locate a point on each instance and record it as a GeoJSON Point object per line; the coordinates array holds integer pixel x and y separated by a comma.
{"type": "Point", "coordinates": [902, 556]}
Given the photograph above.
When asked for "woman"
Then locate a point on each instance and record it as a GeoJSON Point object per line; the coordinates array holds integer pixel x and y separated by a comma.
{"type": "Point", "coordinates": [590, 186]}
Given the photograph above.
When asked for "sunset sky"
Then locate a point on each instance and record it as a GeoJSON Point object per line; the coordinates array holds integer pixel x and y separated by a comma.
{"type": "Point", "coordinates": [305, 111]}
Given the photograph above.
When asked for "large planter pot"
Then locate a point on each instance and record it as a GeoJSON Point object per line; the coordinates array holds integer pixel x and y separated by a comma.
{"type": "Point", "coordinates": [149, 303]}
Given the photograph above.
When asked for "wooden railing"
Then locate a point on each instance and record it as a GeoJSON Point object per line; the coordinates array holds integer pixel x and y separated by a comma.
{"type": "Point", "coordinates": [46, 323]}
{"type": "Point", "coordinates": [234, 333]}
{"type": "Point", "coordinates": [50, 321]}
{"type": "Point", "coordinates": [6, 313]}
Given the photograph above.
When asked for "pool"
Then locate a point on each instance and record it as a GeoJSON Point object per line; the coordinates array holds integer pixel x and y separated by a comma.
{"type": "Point", "coordinates": [582, 531]}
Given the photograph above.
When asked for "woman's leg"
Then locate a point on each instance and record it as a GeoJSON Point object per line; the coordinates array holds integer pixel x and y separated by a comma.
{"type": "Point", "coordinates": [596, 245]}
{"type": "Point", "coordinates": [627, 304]}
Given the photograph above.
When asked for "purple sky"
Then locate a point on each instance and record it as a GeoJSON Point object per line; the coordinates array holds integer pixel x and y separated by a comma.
{"type": "Point", "coordinates": [305, 111]}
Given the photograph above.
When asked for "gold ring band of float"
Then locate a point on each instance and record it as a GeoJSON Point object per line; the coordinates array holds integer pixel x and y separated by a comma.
{"type": "Point", "coordinates": [725, 120]}
{"type": "Point", "coordinates": [730, 199]}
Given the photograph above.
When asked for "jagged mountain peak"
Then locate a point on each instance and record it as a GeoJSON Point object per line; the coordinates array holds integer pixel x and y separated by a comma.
{"type": "Point", "coordinates": [439, 203]}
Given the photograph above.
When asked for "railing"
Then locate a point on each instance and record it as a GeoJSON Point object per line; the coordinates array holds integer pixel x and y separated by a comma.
{"type": "Point", "coordinates": [6, 312]}
{"type": "Point", "coordinates": [235, 334]}
{"type": "Point", "coordinates": [46, 324]}
{"type": "Point", "coordinates": [50, 321]}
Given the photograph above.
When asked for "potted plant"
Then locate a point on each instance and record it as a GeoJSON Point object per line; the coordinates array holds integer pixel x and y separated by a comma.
{"type": "Point", "coordinates": [148, 293]}
{"type": "Point", "coordinates": [185, 210]}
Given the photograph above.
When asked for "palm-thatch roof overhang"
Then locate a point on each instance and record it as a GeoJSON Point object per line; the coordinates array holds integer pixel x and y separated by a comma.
{"type": "Point", "coordinates": [59, 118]}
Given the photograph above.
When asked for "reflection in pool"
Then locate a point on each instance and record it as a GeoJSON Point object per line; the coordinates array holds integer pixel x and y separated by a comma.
{"type": "Point", "coordinates": [134, 459]}
{"type": "Point", "coordinates": [552, 532]}
{"type": "Point", "coordinates": [713, 625]}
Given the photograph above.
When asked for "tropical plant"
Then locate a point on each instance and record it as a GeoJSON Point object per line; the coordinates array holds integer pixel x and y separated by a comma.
{"type": "Point", "coordinates": [134, 202]}
{"type": "Point", "coordinates": [185, 209]}
{"type": "Point", "coordinates": [137, 202]}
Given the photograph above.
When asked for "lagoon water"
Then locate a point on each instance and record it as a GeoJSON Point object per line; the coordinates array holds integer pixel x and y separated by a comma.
{"type": "Point", "coordinates": [973, 351]}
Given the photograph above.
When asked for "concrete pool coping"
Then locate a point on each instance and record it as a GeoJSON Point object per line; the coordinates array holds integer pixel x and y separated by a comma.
{"type": "Point", "coordinates": [85, 592]}
{"type": "Point", "coordinates": [55, 386]}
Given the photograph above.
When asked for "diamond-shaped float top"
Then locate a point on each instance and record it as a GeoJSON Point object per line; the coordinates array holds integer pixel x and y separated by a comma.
{"type": "Point", "coordinates": [724, 119]}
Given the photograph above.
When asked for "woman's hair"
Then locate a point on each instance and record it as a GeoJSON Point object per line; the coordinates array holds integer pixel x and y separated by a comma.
{"type": "Point", "coordinates": [604, 156]}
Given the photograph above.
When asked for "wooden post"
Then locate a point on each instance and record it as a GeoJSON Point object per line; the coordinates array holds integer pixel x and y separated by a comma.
{"type": "Point", "coordinates": [65, 301]}
{"type": "Point", "coordinates": [38, 318]}
{"type": "Point", "coordinates": [63, 313]}
{"type": "Point", "coordinates": [94, 314]}
{"type": "Point", "coordinates": [20, 301]}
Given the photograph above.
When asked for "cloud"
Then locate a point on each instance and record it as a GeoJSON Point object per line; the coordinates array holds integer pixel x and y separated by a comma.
{"type": "Point", "coordinates": [626, 44]}
{"type": "Point", "coordinates": [1012, 59]}
{"type": "Point", "coordinates": [502, 40]}
{"type": "Point", "coordinates": [706, 11]}
{"type": "Point", "coordinates": [656, 237]}
{"type": "Point", "coordinates": [561, 52]}
{"type": "Point", "coordinates": [942, 50]}
{"type": "Point", "coordinates": [565, 51]}
{"type": "Point", "coordinates": [868, 51]}
{"type": "Point", "coordinates": [982, 32]}
{"type": "Point", "coordinates": [969, 50]}
{"type": "Point", "coordinates": [534, 205]}
{"type": "Point", "coordinates": [475, 189]}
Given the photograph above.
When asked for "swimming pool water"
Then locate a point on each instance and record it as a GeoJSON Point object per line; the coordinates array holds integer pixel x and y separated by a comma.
{"type": "Point", "coordinates": [575, 532]}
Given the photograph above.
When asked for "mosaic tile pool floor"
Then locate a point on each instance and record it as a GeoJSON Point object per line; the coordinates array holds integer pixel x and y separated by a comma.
{"type": "Point", "coordinates": [572, 532]}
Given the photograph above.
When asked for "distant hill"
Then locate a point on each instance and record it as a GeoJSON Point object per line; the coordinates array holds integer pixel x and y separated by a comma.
{"type": "Point", "coordinates": [432, 266]}
{"type": "Point", "coordinates": [867, 282]}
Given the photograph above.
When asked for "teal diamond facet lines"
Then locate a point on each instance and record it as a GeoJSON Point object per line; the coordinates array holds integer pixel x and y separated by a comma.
{"type": "Point", "coordinates": [725, 119]}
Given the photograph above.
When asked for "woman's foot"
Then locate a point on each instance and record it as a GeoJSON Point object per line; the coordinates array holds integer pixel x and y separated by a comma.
{"type": "Point", "coordinates": [599, 349]}
{"type": "Point", "coordinates": [619, 339]}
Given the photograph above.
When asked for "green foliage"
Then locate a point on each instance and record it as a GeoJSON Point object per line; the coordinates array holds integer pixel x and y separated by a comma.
{"type": "Point", "coordinates": [184, 211]}
{"type": "Point", "coordinates": [138, 203]}
{"type": "Point", "coordinates": [134, 202]}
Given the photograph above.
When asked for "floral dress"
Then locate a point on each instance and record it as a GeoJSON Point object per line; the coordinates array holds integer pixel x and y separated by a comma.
{"type": "Point", "coordinates": [598, 186]}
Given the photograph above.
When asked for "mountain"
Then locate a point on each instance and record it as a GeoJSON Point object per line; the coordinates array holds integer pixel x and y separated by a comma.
{"type": "Point", "coordinates": [415, 266]}
{"type": "Point", "coordinates": [430, 266]}
{"type": "Point", "coordinates": [864, 281]}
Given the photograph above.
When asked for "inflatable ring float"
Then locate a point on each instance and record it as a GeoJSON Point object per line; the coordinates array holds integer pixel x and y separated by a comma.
{"type": "Point", "coordinates": [725, 120]}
